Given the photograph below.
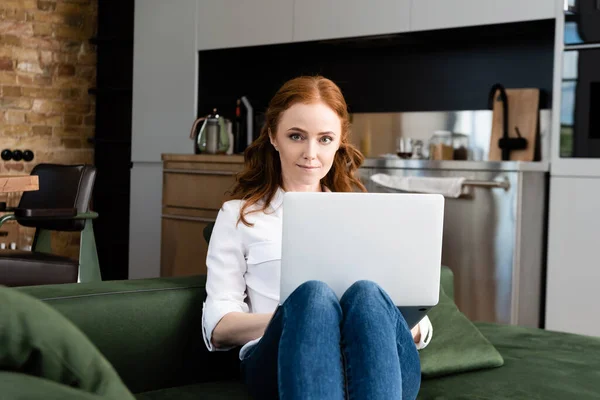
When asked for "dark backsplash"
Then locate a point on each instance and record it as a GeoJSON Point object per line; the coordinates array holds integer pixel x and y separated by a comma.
{"type": "Point", "coordinates": [439, 70]}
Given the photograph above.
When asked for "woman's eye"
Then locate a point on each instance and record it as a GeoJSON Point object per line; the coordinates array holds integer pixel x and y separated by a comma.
{"type": "Point", "coordinates": [326, 139]}
{"type": "Point", "coordinates": [295, 136]}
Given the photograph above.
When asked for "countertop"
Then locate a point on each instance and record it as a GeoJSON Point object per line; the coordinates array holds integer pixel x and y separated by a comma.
{"type": "Point", "coordinates": [398, 163]}
{"type": "Point", "coordinates": [210, 158]}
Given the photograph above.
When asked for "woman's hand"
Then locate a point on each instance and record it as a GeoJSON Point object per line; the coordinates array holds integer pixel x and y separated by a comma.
{"type": "Point", "coordinates": [416, 333]}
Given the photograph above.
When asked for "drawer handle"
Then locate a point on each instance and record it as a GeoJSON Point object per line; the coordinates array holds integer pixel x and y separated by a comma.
{"type": "Point", "coordinates": [185, 218]}
{"type": "Point", "coordinates": [199, 172]}
{"type": "Point", "coordinates": [503, 184]}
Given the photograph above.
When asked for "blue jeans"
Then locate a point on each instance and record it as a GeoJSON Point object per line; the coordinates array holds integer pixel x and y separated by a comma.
{"type": "Point", "coordinates": [317, 347]}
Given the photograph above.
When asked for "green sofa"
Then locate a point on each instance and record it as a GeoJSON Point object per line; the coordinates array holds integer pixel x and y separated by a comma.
{"type": "Point", "coordinates": [150, 331]}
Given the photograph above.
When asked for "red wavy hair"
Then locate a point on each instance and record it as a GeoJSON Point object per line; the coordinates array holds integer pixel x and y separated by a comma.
{"type": "Point", "coordinates": [261, 176]}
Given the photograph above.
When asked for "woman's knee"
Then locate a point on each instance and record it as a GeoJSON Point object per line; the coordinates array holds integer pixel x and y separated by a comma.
{"type": "Point", "coordinates": [365, 293]}
{"type": "Point", "coordinates": [316, 294]}
{"type": "Point", "coordinates": [363, 288]}
{"type": "Point", "coordinates": [314, 290]}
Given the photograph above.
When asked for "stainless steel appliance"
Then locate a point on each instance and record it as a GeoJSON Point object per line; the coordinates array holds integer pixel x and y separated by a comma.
{"type": "Point", "coordinates": [494, 237]}
{"type": "Point", "coordinates": [579, 117]}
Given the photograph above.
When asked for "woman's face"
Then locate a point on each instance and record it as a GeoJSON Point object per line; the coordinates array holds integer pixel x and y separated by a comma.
{"type": "Point", "coordinates": [307, 138]}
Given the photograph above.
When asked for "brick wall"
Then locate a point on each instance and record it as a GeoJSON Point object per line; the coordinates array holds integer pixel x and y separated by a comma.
{"type": "Point", "coordinates": [46, 67]}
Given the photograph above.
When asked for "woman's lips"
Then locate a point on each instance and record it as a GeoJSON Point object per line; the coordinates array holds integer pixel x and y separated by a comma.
{"type": "Point", "coordinates": [308, 167]}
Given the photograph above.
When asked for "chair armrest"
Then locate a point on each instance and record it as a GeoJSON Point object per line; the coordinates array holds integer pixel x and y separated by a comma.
{"type": "Point", "coordinates": [45, 213]}
{"type": "Point", "coordinates": [6, 217]}
{"type": "Point", "coordinates": [87, 215]}
{"type": "Point", "coordinates": [52, 214]}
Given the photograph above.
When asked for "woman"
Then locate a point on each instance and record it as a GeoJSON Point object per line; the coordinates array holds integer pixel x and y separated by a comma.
{"type": "Point", "coordinates": [312, 346]}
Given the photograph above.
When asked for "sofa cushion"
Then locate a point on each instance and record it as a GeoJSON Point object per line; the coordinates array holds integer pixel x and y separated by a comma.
{"type": "Point", "coordinates": [37, 340]}
{"type": "Point", "coordinates": [230, 390]}
{"type": "Point", "coordinates": [457, 345]}
{"type": "Point", "coordinates": [538, 364]}
{"type": "Point", "coordinates": [18, 386]}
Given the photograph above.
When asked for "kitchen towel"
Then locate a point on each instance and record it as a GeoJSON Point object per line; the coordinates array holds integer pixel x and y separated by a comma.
{"type": "Point", "coordinates": [447, 186]}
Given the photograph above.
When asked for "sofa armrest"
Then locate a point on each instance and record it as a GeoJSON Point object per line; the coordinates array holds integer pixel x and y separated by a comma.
{"type": "Point", "coordinates": [149, 329]}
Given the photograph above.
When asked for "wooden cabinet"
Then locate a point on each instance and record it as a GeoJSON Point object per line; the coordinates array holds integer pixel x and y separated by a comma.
{"type": "Point", "coordinates": [194, 188]}
{"type": "Point", "coordinates": [441, 14]}
{"type": "Point", "coordinates": [329, 19]}
{"type": "Point", "coordinates": [233, 23]}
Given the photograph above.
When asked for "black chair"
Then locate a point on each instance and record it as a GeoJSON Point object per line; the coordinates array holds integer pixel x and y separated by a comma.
{"type": "Point", "coordinates": [60, 204]}
{"type": "Point", "coordinates": [207, 231]}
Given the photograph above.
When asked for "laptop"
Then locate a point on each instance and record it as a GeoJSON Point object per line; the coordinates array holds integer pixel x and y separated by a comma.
{"type": "Point", "coordinates": [393, 239]}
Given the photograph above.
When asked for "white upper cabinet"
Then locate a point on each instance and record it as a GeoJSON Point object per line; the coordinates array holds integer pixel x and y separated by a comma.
{"type": "Point", "coordinates": [439, 14]}
{"type": "Point", "coordinates": [331, 19]}
{"type": "Point", "coordinates": [237, 23]}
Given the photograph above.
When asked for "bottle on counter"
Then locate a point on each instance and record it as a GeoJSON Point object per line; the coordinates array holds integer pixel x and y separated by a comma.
{"type": "Point", "coordinates": [228, 127]}
{"type": "Point", "coordinates": [239, 133]}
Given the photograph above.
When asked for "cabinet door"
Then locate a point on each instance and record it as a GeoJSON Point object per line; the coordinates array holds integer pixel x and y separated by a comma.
{"type": "Point", "coordinates": [235, 23]}
{"type": "Point", "coordinates": [573, 274]}
{"type": "Point", "coordinates": [439, 14]}
{"type": "Point", "coordinates": [329, 19]}
{"type": "Point", "coordinates": [183, 246]}
{"type": "Point", "coordinates": [197, 189]}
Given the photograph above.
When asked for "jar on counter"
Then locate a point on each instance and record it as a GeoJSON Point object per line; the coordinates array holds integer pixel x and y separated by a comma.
{"type": "Point", "coordinates": [460, 143]}
{"type": "Point", "coordinates": [440, 146]}
{"type": "Point", "coordinates": [446, 145]}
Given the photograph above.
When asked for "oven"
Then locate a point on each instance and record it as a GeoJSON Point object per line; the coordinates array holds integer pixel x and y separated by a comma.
{"type": "Point", "coordinates": [580, 106]}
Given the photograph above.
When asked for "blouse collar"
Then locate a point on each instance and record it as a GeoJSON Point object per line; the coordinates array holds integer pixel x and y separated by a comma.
{"type": "Point", "coordinates": [277, 200]}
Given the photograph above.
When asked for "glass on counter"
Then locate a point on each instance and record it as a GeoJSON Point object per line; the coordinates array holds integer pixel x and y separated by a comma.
{"type": "Point", "coordinates": [408, 148]}
{"type": "Point", "coordinates": [404, 147]}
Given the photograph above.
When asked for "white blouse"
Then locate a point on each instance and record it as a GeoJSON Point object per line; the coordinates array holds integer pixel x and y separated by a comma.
{"type": "Point", "coordinates": [244, 267]}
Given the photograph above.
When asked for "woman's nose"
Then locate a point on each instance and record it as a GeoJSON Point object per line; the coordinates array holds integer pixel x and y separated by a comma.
{"type": "Point", "coordinates": [310, 151]}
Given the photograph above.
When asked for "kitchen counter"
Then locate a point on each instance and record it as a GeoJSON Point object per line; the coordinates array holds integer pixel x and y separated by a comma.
{"type": "Point", "coordinates": [399, 163]}
{"type": "Point", "coordinates": [210, 158]}
{"type": "Point", "coordinates": [457, 165]}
